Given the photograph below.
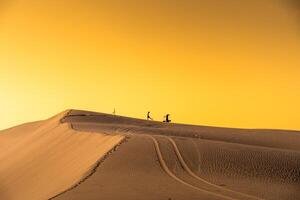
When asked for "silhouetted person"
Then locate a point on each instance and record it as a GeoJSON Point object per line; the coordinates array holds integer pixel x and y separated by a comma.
{"type": "Point", "coordinates": [148, 116]}
{"type": "Point", "coordinates": [167, 119]}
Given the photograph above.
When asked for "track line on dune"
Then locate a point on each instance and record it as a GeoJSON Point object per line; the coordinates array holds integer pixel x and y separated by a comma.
{"type": "Point", "coordinates": [168, 171]}
{"type": "Point", "coordinates": [191, 173]}
{"type": "Point", "coordinates": [93, 169]}
{"type": "Point", "coordinates": [95, 166]}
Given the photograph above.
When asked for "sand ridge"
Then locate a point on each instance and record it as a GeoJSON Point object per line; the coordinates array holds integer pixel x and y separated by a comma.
{"type": "Point", "coordinates": [66, 157]}
{"type": "Point", "coordinates": [48, 158]}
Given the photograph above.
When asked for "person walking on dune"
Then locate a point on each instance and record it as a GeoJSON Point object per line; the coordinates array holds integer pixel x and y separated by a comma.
{"type": "Point", "coordinates": [167, 119]}
{"type": "Point", "coordinates": [148, 116]}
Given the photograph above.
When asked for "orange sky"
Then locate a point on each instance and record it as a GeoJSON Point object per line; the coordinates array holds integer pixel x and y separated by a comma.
{"type": "Point", "coordinates": [232, 64]}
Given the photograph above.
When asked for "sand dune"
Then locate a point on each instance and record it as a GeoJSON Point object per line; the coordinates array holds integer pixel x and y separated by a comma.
{"type": "Point", "coordinates": [63, 158]}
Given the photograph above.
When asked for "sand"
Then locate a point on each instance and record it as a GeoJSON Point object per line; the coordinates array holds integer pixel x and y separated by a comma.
{"type": "Point", "coordinates": [60, 159]}
{"type": "Point", "coordinates": [39, 160]}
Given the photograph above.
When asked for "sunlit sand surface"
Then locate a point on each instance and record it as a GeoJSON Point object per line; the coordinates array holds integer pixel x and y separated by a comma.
{"type": "Point", "coordinates": [86, 155]}
{"type": "Point", "coordinates": [41, 159]}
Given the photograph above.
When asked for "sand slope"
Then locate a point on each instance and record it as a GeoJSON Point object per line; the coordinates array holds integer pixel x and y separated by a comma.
{"type": "Point", "coordinates": [157, 161]}
{"type": "Point", "coordinates": [133, 172]}
{"type": "Point", "coordinates": [39, 160]}
{"type": "Point", "coordinates": [214, 163]}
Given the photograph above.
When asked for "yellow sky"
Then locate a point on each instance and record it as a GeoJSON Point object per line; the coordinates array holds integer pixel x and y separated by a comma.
{"type": "Point", "coordinates": [229, 63]}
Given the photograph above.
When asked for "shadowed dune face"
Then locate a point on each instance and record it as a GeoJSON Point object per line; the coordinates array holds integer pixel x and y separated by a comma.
{"type": "Point", "coordinates": [160, 161]}
{"type": "Point", "coordinates": [39, 160]}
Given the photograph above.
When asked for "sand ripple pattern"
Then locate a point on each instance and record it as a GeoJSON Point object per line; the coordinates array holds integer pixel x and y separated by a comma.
{"type": "Point", "coordinates": [172, 175]}
{"type": "Point", "coordinates": [192, 174]}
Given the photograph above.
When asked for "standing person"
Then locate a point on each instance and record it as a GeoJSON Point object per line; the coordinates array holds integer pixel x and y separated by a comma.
{"type": "Point", "coordinates": [167, 119]}
{"type": "Point", "coordinates": [148, 116]}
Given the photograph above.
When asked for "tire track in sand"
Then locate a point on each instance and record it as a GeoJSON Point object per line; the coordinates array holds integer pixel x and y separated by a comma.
{"type": "Point", "coordinates": [192, 174]}
{"type": "Point", "coordinates": [172, 175]}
